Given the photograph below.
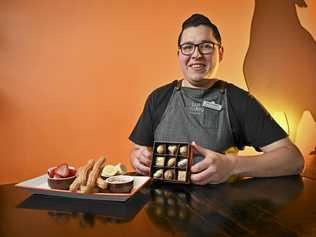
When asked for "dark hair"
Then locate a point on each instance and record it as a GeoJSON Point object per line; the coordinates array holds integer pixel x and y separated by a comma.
{"type": "Point", "coordinates": [196, 20]}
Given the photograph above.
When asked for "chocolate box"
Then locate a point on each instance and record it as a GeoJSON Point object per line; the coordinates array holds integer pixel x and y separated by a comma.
{"type": "Point", "coordinates": [171, 162]}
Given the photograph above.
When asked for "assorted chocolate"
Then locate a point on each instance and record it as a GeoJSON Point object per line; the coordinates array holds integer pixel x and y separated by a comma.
{"type": "Point", "coordinates": [171, 162]}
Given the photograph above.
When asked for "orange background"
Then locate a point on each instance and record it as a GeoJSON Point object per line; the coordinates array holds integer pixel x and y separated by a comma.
{"type": "Point", "coordinates": [74, 75]}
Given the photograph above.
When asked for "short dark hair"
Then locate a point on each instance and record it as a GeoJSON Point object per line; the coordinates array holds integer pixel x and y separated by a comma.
{"type": "Point", "coordinates": [196, 20]}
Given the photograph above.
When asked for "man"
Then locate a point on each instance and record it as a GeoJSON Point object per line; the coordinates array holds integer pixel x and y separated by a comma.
{"type": "Point", "coordinates": [212, 115]}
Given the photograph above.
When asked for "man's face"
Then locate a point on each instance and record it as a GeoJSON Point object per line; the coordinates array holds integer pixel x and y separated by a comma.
{"type": "Point", "coordinates": [197, 66]}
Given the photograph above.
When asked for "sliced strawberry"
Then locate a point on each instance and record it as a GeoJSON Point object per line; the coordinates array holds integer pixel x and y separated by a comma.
{"type": "Point", "coordinates": [51, 173]}
{"type": "Point", "coordinates": [72, 172]}
{"type": "Point", "coordinates": [56, 176]}
{"type": "Point", "coordinates": [62, 170]}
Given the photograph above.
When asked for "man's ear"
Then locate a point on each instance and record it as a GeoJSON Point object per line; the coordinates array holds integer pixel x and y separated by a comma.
{"type": "Point", "coordinates": [221, 53]}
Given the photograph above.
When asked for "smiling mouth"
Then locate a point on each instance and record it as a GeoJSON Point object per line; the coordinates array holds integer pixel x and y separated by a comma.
{"type": "Point", "coordinates": [197, 66]}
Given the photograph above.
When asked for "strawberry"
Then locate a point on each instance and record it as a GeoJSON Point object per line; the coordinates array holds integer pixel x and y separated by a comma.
{"type": "Point", "coordinates": [72, 172]}
{"type": "Point", "coordinates": [56, 176]}
{"type": "Point", "coordinates": [62, 170]}
{"type": "Point", "coordinates": [51, 173]}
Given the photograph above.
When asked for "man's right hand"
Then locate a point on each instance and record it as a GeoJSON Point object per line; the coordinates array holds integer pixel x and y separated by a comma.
{"type": "Point", "coordinates": [140, 159]}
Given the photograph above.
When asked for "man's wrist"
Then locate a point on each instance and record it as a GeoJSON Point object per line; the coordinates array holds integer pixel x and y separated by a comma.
{"type": "Point", "coordinates": [233, 161]}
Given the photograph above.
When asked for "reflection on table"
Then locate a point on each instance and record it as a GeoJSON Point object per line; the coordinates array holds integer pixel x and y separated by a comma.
{"type": "Point", "coordinates": [282, 206]}
{"type": "Point", "coordinates": [242, 208]}
{"type": "Point", "coordinates": [61, 210]}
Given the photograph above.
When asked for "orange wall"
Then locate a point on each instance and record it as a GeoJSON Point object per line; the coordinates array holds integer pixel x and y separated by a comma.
{"type": "Point", "coordinates": [74, 74]}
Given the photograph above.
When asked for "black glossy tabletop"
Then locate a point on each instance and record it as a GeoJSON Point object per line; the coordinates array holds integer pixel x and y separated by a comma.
{"type": "Point", "coordinates": [283, 206]}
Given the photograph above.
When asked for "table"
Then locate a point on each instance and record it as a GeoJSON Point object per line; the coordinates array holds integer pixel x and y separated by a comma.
{"type": "Point", "coordinates": [283, 206]}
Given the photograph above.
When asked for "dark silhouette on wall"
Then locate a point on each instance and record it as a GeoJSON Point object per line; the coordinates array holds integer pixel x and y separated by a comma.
{"type": "Point", "coordinates": [280, 64]}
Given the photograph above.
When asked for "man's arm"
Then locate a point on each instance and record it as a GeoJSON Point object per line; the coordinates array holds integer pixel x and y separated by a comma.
{"type": "Point", "coordinates": [278, 159]}
{"type": "Point", "coordinates": [140, 159]}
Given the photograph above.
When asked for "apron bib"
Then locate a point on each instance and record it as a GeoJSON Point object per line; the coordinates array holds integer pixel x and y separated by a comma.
{"type": "Point", "coordinates": [197, 115]}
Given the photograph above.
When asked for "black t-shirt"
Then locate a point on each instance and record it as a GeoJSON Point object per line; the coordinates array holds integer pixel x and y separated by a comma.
{"type": "Point", "coordinates": [252, 125]}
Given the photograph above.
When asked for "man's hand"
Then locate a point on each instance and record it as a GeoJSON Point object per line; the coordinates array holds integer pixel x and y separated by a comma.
{"type": "Point", "coordinates": [215, 168]}
{"type": "Point", "coordinates": [141, 159]}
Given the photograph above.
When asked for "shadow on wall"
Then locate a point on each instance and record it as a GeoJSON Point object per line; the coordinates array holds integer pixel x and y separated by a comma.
{"type": "Point", "coordinates": [280, 64]}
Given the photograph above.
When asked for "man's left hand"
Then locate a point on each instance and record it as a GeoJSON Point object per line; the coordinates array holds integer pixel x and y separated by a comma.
{"type": "Point", "coordinates": [215, 168]}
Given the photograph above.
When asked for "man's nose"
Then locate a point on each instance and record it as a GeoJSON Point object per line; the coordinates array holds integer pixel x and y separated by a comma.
{"type": "Point", "coordinates": [196, 53]}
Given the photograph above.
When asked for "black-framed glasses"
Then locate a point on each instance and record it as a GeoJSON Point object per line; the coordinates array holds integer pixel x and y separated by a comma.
{"type": "Point", "coordinates": [204, 48]}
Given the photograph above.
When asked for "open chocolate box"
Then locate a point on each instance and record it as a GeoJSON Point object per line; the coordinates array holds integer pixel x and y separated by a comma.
{"type": "Point", "coordinates": [171, 162]}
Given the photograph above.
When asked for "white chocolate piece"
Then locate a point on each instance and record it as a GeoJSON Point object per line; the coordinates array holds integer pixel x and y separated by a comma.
{"type": "Point", "coordinates": [172, 149]}
{"type": "Point", "coordinates": [160, 161]}
{"type": "Point", "coordinates": [183, 150]}
{"type": "Point", "coordinates": [171, 162]}
{"type": "Point", "coordinates": [183, 163]}
{"type": "Point", "coordinates": [182, 175]}
{"type": "Point", "coordinates": [161, 149]}
{"type": "Point", "coordinates": [158, 173]}
{"type": "Point", "coordinates": [169, 174]}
